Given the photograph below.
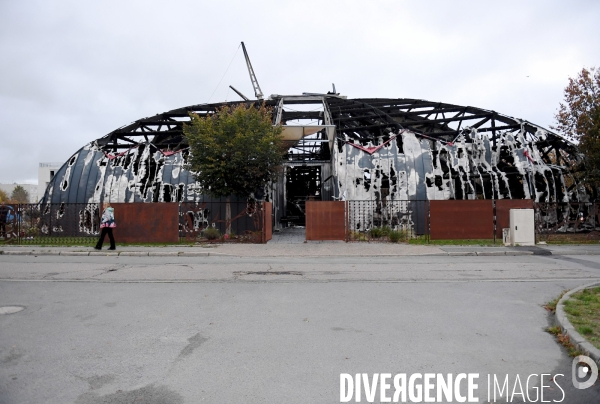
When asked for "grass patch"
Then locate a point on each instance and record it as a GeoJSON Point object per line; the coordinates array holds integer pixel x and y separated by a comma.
{"type": "Point", "coordinates": [583, 311]}
{"type": "Point", "coordinates": [479, 242]}
{"type": "Point", "coordinates": [565, 341]}
{"type": "Point", "coordinates": [561, 338]}
{"type": "Point", "coordinates": [570, 238]}
{"type": "Point", "coordinates": [551, 305]}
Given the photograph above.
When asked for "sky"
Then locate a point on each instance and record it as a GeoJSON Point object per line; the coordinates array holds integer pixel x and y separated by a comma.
{"type": "Point", "coordinates": [73, 71]}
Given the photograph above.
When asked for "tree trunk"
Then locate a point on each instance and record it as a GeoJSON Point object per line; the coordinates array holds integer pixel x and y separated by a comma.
{"type": "Point", "coordinates": [228, 216]}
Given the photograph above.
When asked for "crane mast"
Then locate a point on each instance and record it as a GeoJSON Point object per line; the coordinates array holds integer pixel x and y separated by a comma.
{"type": "Point", "coordinates": [257, 90]}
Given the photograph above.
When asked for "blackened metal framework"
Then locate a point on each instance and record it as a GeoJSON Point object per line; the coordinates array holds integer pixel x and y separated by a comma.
{"type": "Point", "coordinates": [361, 120]}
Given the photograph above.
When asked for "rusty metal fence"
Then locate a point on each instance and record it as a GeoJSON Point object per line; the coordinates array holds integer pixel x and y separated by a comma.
{"type": "Point", "coordinates": [79, 223]}
{"type": "Point", "coordinates": [464, 219]}
{"type": "Point", "coordinates": [208, 221]}
{"type": "Point", "coordinates": [382, 220]}
{"type": "Point", "coordinates": [63, 223]}
{"type": "Point", "coordinates": [572, 221]}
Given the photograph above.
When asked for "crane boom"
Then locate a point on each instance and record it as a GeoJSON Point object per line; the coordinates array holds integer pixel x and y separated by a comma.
{"type": "Point", "coordinates": [257, 90]}
{"type": "Point", "coordinates": [240, 94]}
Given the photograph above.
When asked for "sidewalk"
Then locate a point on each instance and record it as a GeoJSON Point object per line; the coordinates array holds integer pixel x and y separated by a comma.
{"type": "Point", "coordinates": [308, 249]}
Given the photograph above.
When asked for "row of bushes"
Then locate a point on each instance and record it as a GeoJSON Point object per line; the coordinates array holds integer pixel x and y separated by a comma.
{"type": "Point", "coordinates": [386, 231]}
{"type": "Point", "coordinates": [213, 234]}
{"type": "Point", "coordinates": [379, 233]}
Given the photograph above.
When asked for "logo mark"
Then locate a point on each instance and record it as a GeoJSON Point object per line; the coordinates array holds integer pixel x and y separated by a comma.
{"type": "Point", "coordinates": [584, 368]}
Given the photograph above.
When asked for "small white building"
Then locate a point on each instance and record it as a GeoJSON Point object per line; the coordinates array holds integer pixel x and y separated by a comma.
{"type": "Point", "coordinates": [32, 190]}
{"type": "Point", "coordinates": [46, 173]}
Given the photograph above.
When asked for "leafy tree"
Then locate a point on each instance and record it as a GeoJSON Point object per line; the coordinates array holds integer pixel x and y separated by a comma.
{"type": "Point", "coordinates": [20, 195]}
{"type": "Point", "coordinates": [579, 119]}
{"type": "Point", "coordinates": [3, 196]}
{"type": "Point", "coordinates": [235, 151]}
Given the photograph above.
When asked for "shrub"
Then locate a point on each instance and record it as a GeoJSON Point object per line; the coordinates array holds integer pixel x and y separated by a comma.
{"type": "Point", "coordinates": [376, 232]}
{"type": "Point", "coordinates": [212, 233]}
{"type": "Point", "coordinates": [397, 235]}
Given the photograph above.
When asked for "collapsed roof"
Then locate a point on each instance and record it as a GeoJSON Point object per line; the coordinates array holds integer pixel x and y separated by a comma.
{"type": "Point", "coordinates": [377, 148]}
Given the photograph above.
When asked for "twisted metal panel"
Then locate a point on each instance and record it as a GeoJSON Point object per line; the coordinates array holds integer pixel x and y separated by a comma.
{"type": "Point", "coordinates": [571, 217]}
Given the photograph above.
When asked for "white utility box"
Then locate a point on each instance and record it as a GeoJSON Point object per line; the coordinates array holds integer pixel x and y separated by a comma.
{"type": "Point", "coordinates": [522, 227]}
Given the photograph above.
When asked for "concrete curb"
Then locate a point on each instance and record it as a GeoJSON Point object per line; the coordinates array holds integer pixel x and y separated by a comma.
{"type": "Point", "coordinates": [216, 254]}
{"type": "Point", "coordinates": [103, 253]}
{"type": "Point", "coordinates": [134, 253]}
{"type": "Point", "coordinates": [193, 254]}
{"type": "Point", "coordinates": [487, 253]}
{"type": "Point", "coordinates": [567, 327]}
{"type": "Point", "coordinates": [579, 252]}
{"type": "Point", "coordinates": [119, 253]}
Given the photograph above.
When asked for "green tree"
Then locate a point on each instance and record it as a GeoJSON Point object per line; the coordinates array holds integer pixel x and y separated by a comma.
{"type": "Point", "coordinates": [235, 151]}
{"type": "Point", "coordinates": [20, 195]}
{"type": "Point", "coordinates": [578, 118]}
{"type": "Point", "coordinates": [3, 196]}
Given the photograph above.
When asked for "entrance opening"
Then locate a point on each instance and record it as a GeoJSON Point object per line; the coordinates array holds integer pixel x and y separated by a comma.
{"type": "Point", "coordinates": [308, 136]}
{"type": "Point", "coordinates": [303, 183]}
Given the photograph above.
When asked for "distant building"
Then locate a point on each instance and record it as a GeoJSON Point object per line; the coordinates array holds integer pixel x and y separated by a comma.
{"type": "Point", "coordinates": [46, 172]}
{"type": "Point", "coordinates": [32, 190]}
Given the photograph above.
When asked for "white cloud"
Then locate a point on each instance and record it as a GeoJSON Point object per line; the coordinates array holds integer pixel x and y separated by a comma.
{"type": "Point", "coordinates": [73, 71]}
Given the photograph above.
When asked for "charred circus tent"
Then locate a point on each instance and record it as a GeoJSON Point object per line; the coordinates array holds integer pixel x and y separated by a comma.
{"type": "Point", "coordinates": [338, 149]}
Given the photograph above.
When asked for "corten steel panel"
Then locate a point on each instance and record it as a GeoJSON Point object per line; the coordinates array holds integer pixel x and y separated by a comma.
{"type": "Point", "coordinates": [267, 221]}
{"type": "Point", "coordinates": [503, 207]}
{"type": "Point", "coordinates": [451, 220]}
{"type": "Point", "coordinates": [325, 220]}
{"type": "Point", "coordinates": [146, 222]}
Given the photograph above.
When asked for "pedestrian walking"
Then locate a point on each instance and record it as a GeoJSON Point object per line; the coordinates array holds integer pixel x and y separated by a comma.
{"type": "Point", "coordinates": [106, 225]}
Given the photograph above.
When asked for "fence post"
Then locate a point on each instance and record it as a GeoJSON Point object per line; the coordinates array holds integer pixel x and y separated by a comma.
{"type": "Point", "coordinates": [428, 224]}
{"type": "Point", "coordinates": [263, 230]}
{"type": "Point", "coordinates": [346, 219]}
{"type": "Point", "coordinates": [18, 223]}
{"type": "Point", "coordinates": [494, 225]}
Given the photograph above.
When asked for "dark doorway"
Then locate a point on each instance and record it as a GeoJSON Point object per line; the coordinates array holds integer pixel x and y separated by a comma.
{"type": "Point", "coordinates": [303, 183]}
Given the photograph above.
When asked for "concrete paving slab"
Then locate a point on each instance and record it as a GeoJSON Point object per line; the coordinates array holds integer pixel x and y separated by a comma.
{"type": "Point", "coordinates": [75, 253]}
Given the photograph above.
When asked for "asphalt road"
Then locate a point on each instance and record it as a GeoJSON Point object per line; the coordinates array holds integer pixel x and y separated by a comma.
{"type": "Point", "coordinates": [275, 330]}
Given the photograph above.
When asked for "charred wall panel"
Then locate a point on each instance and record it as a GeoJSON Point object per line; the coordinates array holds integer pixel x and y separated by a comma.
{"type": "Point", "coordinates": [469, 168]}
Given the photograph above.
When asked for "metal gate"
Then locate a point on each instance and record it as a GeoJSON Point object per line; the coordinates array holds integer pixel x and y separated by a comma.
{"type": "Point", "coordinates": [325, 220]}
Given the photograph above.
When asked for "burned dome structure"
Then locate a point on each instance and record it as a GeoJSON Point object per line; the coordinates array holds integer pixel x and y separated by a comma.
{"type": "Point", "coordinates": [338, 149]}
